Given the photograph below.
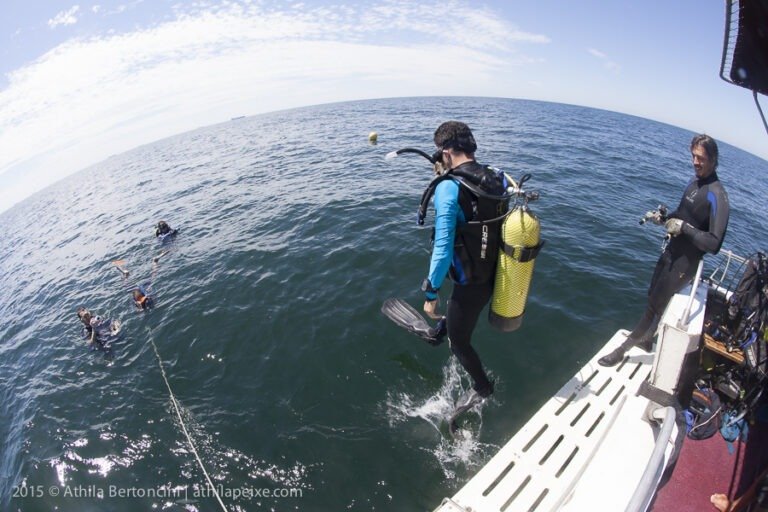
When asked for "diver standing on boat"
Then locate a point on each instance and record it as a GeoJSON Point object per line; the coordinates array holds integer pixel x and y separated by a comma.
{"type": "Point", "coordinates": [697, 227]}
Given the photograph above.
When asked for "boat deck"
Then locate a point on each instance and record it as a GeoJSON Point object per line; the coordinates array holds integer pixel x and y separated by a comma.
{"type": "Point", "coordinates": [592, 446]}
{"type": "Point", "coordinates": [539, 467]}
{"type": "Point", "coordinates": [706, 467]}
{"type": "Point", "coordinates": [710, 466]}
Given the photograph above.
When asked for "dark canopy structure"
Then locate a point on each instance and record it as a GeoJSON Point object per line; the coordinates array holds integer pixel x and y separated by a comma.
{"type": "Point", "coordinates": [745, 50]}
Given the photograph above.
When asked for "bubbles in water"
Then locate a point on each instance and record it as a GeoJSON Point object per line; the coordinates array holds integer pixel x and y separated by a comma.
{"type": "Point", "coordinates": [72, 461]}
{"type": "Point", "coordinates": [224, 462]}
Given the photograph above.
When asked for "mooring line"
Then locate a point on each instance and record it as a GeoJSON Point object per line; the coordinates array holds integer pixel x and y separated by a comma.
{"type": "Point", "coordinates": [183, 426]}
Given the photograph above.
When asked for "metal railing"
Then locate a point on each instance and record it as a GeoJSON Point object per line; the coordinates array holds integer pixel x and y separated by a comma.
{"type": "Point", "coordinates": [656, 463]}
{"type": "Point", "coordinates": [687, 312]}
{"type": "Point", "coordinates": [725, 271]}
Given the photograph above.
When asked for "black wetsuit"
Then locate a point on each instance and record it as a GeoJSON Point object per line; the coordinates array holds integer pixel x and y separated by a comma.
{"type": "Point", "coordinates": [458, 245]}
{"type": "Point", "coordinates": [464, 308]}
{"type": "Point", "coordinates": [704, 211]}
{"type": "Point", "coordinates": [87, 329]}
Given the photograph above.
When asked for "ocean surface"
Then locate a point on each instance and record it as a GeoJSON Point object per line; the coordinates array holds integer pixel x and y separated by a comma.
{"type": "Point", "coordinates": [293, 231]}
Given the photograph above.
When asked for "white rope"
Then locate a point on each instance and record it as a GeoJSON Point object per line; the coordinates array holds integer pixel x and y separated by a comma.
{"type": "Point", "coordinates": [183, 427]}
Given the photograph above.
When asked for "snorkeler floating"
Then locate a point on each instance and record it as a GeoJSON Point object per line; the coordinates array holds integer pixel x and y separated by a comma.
{"type": "Point", "coordinates": [142, 299]}
{"type": "Point", "coordinates": [141, 293]}
{"type": "Point", "coordinates": [101, 331]}
{"type": "Point", "coordinates": [164, 232]}
{"type": "Point", "coordinates": [97, 330]}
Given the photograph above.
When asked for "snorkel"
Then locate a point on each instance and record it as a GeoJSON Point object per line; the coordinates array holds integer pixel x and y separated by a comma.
{"type": "Point", "coordinates": [513, 188]}
{"type": "Point", "coordinates": [436, 156]}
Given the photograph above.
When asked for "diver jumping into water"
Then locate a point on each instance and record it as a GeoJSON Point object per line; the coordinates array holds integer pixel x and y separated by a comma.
{"type": "Point", "coordinates": [467, 251]}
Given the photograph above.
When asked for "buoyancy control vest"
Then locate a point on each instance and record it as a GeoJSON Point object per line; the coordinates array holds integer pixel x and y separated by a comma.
{"type": "Point", "coordinates": [484, 203]}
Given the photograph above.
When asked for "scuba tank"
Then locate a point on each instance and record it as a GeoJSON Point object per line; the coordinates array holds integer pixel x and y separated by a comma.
{"type": "Point", "coordinates": [520, 244]}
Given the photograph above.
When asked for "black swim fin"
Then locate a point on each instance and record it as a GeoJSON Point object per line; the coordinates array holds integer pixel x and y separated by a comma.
{"type": "Point", "coordinates": [467, 401]}
{"type": "Point", "coordinates": [409, 319]}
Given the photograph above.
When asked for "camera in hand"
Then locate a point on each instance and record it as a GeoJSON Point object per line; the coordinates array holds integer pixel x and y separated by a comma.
{"type": "Point", "coordinates": [657, 216]}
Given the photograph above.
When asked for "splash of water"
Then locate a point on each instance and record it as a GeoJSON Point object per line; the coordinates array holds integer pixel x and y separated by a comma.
{"type": "Point", "coordinates": [452, 452]}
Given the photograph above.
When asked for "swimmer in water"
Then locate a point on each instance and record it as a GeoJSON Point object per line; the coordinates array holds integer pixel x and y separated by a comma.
{"type": "Point", "coordinates": [96, 329]}
{"type": "Point", "coordinates": [141, 299]}
{"type": "Point", "coordinates": [163, 231]}
{"type": "Point", "coordinates": [85, 317]}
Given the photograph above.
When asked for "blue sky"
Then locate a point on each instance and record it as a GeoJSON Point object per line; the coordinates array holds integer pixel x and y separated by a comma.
{"type": "Point", "coordinates": [82, 81]}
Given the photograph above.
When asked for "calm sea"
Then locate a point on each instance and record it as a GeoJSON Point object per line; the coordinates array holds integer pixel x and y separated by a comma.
{"type": "Point", "coordinates": [294, 229]}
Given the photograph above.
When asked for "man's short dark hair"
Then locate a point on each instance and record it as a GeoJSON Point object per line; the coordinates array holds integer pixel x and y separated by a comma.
{"type": "Point", "coordinates": [709, 145]}
{"type": "Point", "coordinates": [455, 135]}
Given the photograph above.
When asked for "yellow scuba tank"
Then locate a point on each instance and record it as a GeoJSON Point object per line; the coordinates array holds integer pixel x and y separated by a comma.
{"type": "Point", "coordinates": [520, 243]}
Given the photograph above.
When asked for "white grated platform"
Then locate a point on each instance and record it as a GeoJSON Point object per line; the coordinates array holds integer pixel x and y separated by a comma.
{"type": "Point", "coordinates": [538, 469]}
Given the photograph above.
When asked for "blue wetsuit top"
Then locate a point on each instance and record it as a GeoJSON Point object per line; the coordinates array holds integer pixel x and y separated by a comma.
{"type": "Point", "coordinates": [448, 214]}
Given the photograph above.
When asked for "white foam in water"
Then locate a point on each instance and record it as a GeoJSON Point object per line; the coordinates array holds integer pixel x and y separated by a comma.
{"type": "Point", "coordinates": [390, 155]}
{"type": "Point", "coordinates": [463, 450]}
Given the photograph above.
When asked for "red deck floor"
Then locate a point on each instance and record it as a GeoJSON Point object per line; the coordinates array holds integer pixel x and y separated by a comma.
{"type": "Point", "coordinates": [706, 467]}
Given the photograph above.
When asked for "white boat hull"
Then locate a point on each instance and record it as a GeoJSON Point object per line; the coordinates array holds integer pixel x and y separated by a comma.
{"type": "Point", "coordinates": [589, 446]}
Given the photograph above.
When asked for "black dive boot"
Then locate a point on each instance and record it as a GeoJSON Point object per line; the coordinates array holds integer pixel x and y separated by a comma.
{"type": "Point", "coordinates": [617, 355]}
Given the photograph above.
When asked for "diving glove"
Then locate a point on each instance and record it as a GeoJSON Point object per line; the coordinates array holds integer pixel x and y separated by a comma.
{"type": "Point", "coordinates": [674, 226]}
